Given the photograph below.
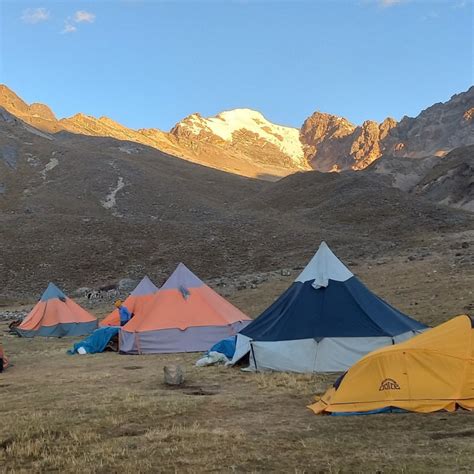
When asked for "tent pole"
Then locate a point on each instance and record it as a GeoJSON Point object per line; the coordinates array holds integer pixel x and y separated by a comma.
{"type": "Point", "coordinates": [253, 357]}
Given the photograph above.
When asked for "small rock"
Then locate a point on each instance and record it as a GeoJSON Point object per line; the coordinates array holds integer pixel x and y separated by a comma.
{"type": "Point", "coordinates": [173, 375]}
{"type": "Point", "coordinates": [465, 245]}
{"type": "Point", "coordinates": [285, 273]}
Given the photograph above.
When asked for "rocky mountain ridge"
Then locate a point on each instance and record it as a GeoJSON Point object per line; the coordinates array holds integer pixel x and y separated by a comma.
{"type": "Point", "coordinates": [250, 145]}
{"type": "Point", "coordinates": [333, 144]}
{"type": "Point", "coordinates": [244, 142]}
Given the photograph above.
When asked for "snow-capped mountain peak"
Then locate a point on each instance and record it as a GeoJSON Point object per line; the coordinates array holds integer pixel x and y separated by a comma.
{"type": "Point", "coordinates": [227, 123]}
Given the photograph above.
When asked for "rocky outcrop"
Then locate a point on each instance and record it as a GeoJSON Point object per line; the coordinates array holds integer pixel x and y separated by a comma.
{"type": "Point", "coordinates": [333, 144]}
{"type": "Point", "coordinates": [38, 115]}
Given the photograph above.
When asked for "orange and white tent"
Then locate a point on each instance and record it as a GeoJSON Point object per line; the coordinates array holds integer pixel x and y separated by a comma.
{"type": "Point", "coordinates": [135, 303]}
{"type": "Point", "coordinates": [185, 315]}
{"type": "Point", "coordinates": [56, 315]}
{"type": "Point", "coordinates": [430, 372]}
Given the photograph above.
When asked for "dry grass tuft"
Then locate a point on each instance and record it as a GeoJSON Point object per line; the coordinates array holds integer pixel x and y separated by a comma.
{"type": "Point", "coordinates": [294, 383]}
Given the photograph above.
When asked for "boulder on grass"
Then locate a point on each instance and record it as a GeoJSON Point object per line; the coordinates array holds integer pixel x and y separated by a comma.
{"type": "Point", "coordinates": [173, 375]}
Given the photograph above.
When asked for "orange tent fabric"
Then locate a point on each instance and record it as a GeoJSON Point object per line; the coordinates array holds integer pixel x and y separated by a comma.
{"type": "Point", "coordinates": [185, 315]}
{"type": "Point", "coordinates": [430, 372]}
{"type": "Point", "coordinates": [136, 302]}
{"type": "Point", "coordinates": [169, 310]}
{"type": "Point", "coordinates": [56, 315]}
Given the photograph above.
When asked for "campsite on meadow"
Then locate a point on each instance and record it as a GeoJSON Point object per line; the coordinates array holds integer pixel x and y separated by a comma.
{"type": "Point", "coordinates": [237, 236]}
{"type": "Point", "coordinates": [116, 408]}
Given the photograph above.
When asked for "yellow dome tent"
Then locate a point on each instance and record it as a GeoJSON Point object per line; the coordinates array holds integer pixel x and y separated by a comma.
{"type": "Point", "coordinates": [430, 372]}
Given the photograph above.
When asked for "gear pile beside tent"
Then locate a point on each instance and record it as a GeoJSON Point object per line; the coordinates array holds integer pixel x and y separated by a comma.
{"type": "Point", "coordinates": [56, 315]}
{"type": "Point", "coordinates": [324, 322]}
{"type": "Point", "coordinates": [185, 315]}
{"type": "Point", "coordinates": [431, 372]}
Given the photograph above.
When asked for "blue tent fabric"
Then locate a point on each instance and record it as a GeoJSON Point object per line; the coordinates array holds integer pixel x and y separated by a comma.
{"type": "Point", "coordinates": [52, 292]}
{"type": "Point", "coordinates": [60, 330]}
{"type": "Point", "coordinates": [97, 341]}
{"type": "Point", "coordinates": [370, 412]}
{"type": "Point", "coordinates": [342, 309]}
{"type": "Point", "coordinates": [225, 346]}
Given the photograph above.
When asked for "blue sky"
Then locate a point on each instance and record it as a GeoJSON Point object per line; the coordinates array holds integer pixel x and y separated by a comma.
{"type": "Point", "coordinates": [150, 63]}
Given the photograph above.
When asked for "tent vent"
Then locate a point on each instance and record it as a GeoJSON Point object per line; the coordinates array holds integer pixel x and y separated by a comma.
{"type": "Point", "coordinates": [185, 292]}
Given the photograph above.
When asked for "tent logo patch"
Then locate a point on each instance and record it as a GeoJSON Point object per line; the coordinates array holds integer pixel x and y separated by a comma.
{"type": "Point", "coordinates": [389, 384]}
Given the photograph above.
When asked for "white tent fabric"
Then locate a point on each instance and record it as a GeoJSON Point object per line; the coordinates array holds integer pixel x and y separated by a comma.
{"type": "Point", "coordinates": [324, 266]}
{"type": "Point", "coordinates": [242, 347]}
{"type": "Point", "coordinates": [309, 355]}
{"type": "Point", "coordinates": [145, 287]}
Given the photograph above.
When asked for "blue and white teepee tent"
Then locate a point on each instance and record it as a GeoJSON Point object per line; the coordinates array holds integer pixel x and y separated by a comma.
{"type": "Point", "coordinates": [324, 322]}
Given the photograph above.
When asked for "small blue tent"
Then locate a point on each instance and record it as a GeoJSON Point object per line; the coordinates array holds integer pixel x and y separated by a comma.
{"type": "Point", "coordinates": [324, 322]}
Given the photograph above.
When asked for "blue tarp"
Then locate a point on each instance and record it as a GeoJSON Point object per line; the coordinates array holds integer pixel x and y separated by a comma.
{"type": "Point", "coordinates": [342, 309]}
{"type": "Point", "coordinates": [97, 341]}
{"type": "Point", "coordinates": [226, 347]}
{"type": "Point", "coordinates": [370, 412]}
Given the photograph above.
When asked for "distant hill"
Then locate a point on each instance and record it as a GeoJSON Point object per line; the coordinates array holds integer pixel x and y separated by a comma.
{"type": "Point", "coordinates": [84, 210]}
{"type": "Point", "coordinates": [451, 180]}
{"type": "Point", "coordinates": [445, 180]}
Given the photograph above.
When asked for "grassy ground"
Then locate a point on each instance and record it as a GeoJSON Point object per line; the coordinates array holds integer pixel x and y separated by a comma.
{"type": "Point", "coordinates": [111, 413]}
